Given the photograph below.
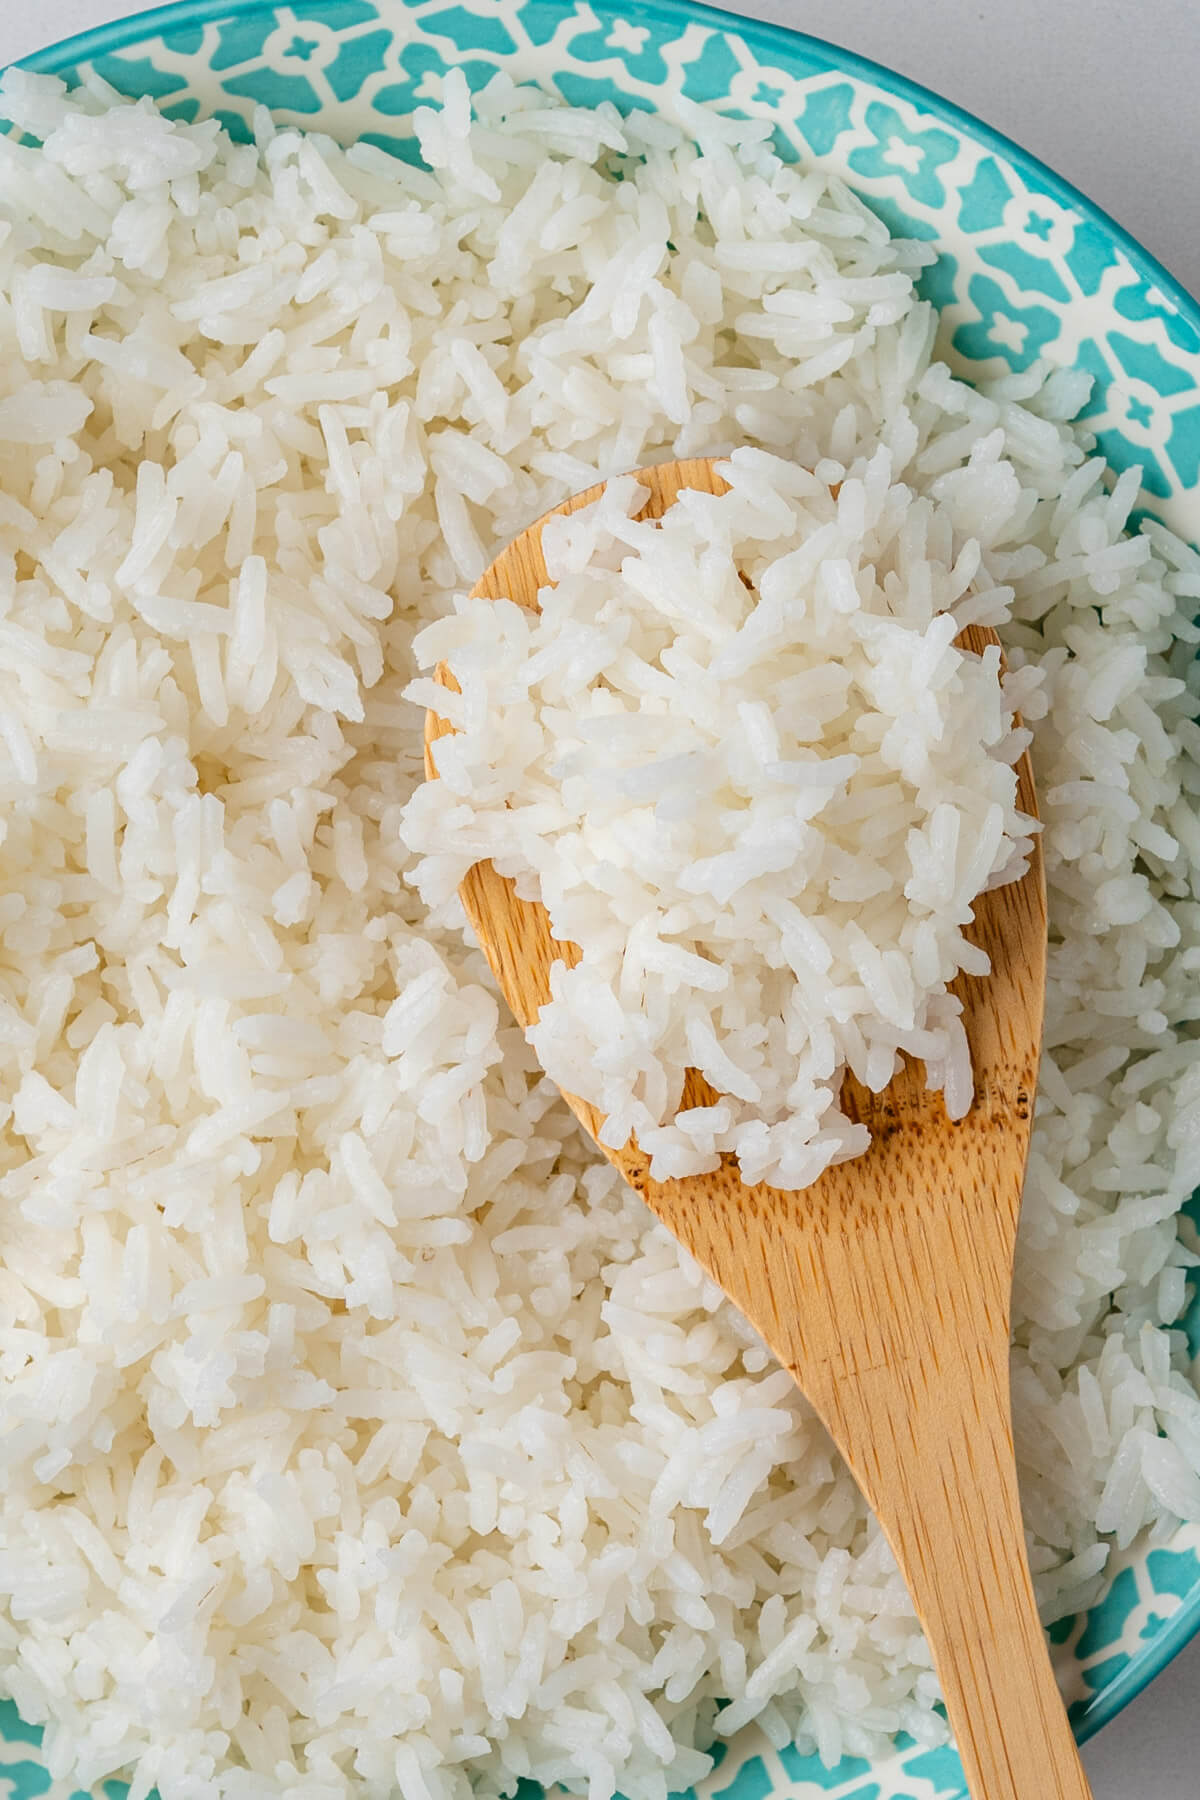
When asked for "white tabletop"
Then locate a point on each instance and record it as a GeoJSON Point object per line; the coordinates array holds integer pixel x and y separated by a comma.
{"type": "Point", "coordinates": [1105, 92]}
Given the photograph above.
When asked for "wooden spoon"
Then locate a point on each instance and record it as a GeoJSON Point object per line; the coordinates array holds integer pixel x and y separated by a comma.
{"type": "Point", "coordinates": [884, 1288]}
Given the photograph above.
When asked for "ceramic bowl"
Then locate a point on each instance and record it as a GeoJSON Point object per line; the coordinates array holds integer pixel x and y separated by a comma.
{"type": "Point", "coordinates": [1026, 268]}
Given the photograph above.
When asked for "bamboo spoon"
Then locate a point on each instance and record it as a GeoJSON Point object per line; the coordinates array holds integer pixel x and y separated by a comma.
{"type": "Point", "coordinates": [884, 1288]}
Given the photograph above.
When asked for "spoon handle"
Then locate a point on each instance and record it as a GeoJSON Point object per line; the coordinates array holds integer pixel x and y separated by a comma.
{"type": "Point", "coordinates": [924, 1421]}
{"type": "Point", "coordinates": [937, 1462]}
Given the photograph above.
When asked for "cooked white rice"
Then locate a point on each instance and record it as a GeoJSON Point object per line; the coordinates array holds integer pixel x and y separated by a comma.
{"type": "Point", "coordinates": [740, 759]}
{"type": "Point", "coordinates": [361, 1434]}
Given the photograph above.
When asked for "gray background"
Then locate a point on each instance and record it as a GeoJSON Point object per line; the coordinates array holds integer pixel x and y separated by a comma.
{"type": "Point", "coordinates": [1108, 93]}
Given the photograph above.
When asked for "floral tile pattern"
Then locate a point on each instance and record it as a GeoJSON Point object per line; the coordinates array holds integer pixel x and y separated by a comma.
{"type": "Point", "coordinates": [1026, 269]}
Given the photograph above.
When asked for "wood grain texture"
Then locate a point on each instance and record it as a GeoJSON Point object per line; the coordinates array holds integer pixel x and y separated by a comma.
{"type": "Point", "coordinates": [884, 1287]}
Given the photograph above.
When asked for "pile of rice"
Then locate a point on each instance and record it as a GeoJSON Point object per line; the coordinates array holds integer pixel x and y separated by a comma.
{"type": "Point", "coordinates": [361, 1433]}
{"type": "Point", "coordinates": [739, 758]}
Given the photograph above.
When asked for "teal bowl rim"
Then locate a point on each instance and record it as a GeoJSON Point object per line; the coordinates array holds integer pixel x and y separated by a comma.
{"type": "Point", "coordinates": [101, 40]}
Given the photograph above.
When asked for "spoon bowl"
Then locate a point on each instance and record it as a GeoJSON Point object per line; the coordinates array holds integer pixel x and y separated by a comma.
{"type": "Point", "coordinates": [884, 1288]}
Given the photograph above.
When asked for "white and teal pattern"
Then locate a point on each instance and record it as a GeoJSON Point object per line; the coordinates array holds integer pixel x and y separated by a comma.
{"type": "Point", "coordinates": [1026, 268]}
